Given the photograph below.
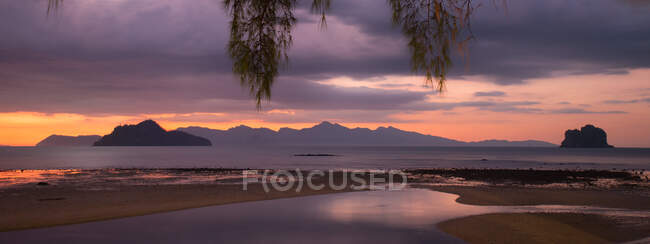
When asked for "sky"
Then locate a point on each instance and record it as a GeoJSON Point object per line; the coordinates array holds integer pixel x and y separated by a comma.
{"type": "Point", "coordinates": [534, 70]}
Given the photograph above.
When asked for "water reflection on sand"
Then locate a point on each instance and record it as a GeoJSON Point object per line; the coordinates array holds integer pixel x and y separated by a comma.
{"type": "Point", "coordinates": [421, 208]}
{"type": "Point", "coordinates": [406, 216]}
{"type": "Point", "coordinates": [407, 208]}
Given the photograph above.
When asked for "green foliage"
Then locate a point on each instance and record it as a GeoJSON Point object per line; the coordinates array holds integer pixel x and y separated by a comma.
{"type": "Point", "coordinates": [260, 36]}
{"type": "Point", "coordinates": [321, 7]}
{"type": "Point", "coordinates": [433, 28]}
{"type": "Point", "coordinates": [53, 5]}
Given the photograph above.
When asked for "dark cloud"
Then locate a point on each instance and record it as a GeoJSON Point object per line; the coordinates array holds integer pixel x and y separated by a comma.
{"type": "Point", "coordinates": [647, 100]}
{"type": "Point", "coordinates": [151, 56]}
{"type": "Point", "coordinates": [389, 85]}
{"type": "Point", "coordinates": [513, 109]}
{"type": "Point", "coordinates": [583, 111]}
{"type": "Point", "coordinates": [534, 39]}
{"type": "Point", "coordinates": [349, 116]}
{"type": "Point", "coordinates": [638, 3]}
{"type": "Point", "coordinates": [507, 48]}
{"type": "Point", "coordinates": [295, 93]}
{"type": "Point", "coordinates": [502, 106]}
{"type": "Point", "coordinates": [490, 94]}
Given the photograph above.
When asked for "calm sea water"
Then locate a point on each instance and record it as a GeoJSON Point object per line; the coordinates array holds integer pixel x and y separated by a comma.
{"type": "Point", "coordinates": [347, 157]}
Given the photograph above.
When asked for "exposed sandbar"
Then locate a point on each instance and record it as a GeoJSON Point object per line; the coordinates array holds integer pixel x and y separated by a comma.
{"type": "Point", "coordinates": [546, 228]}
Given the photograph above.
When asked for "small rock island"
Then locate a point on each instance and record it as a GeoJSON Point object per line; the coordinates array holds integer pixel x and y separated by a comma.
{"type": "Point", "coordinates": [149, 133]}
{"type": "Point", "coordinates": [588, 136]}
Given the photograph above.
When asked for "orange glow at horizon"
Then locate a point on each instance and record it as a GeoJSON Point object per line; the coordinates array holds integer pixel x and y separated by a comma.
{"type": "Point", "coordinates": [510, 127]}
{"type": "Point", "coordinates": [629, 129]}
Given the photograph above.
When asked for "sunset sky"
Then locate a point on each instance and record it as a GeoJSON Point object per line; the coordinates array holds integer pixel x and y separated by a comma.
{"type": "Point", "coordinates": [535, 69]}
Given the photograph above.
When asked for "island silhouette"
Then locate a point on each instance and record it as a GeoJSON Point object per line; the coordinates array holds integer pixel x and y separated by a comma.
{"type": "Point", "coordinates": [588, 136]}
{"type": "Point", "coordinates": [69, 141]}
{"type": "Point", "coordinates": [149, 133]}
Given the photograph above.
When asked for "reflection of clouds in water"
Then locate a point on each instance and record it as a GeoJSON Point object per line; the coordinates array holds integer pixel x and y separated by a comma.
{"type": "Point", "coordinates": [412, 208]}
{"type": "Point", "coordinates": [418, 208]}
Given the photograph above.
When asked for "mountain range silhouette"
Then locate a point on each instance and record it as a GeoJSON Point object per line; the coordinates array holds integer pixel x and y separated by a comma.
{"type": "Point", "coordinates": [149, 133]}
{"type": "Point", "coordinates": [333, 134]}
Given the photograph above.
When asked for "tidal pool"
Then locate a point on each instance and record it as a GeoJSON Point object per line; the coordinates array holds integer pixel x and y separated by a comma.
{"type": "Point", "coordinates": [406, 216]}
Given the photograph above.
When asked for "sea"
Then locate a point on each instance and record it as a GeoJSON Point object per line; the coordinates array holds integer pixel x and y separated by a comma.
{"type": "Point", "coordinates": [342, 157]}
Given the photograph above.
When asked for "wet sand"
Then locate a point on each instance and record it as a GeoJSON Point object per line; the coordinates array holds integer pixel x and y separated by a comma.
{"type": "Point", "coordinates": [638, 199]}
{"type": "Point", "coordinates": [546, 228]}
{"type": "Point", "coordinates": [68, 201]}
{"type": "Point", "coordinates": [43, 206]}
{"type": "Point", "coordinates": [71, 197]}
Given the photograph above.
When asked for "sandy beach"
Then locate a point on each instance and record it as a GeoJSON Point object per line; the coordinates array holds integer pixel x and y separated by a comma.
{"type": "Point", "coordinates": [546, 228]}
{"type": "Point", "coordinates": [74, 196]}
{"type": "Point", "coordinates": [43, 206]}
{"type": "Point", "coordinates": [83, 196]}
{"type": "Point", "coordinates": [638, 199]}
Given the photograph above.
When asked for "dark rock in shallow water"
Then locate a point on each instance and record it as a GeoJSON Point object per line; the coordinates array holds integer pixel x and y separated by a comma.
{"type": "Point", "coordinates": [149, 133]}
{"type": "Point", "coordinates": [314, 155]}
{"type": "Point", "coordinates": [588, 136]}
{"type": "Point", "coordinates": [529, 176]}
{"type": "Point", "coordinates": [51, 199]}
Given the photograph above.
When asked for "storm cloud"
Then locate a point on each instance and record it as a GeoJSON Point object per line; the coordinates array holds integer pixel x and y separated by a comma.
{"type": "Point", "coordinates": [152, 56]}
